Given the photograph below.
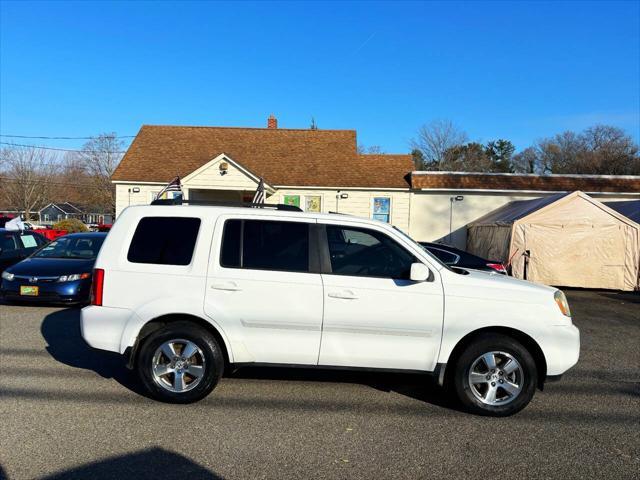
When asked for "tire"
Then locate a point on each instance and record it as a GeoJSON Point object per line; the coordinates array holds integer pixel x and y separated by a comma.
{"type": "Point", "coordinates": [484, 392]}
{"type": "Point", "coordinates": [180, 379]}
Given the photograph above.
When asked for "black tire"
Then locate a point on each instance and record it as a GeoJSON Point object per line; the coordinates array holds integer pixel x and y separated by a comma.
{"type": "Point", "coordinates": [480, 346]}
{"type": "Point", "coordinates": [210, 353]}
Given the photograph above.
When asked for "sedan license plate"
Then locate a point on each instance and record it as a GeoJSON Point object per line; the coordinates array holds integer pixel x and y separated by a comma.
{"type": "Point", "coordinates": [29, 290]}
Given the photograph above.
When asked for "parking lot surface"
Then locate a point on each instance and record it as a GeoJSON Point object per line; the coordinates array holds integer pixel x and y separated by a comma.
{"type": "Point", "coordinates": [72, 412]}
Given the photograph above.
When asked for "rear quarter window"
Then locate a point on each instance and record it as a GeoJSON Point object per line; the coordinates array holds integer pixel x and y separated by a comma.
{"type": "Point", "coordinates": [164, 240]}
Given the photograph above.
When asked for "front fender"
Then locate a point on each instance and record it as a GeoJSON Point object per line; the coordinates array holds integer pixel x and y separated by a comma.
{"type": "Point", "coordinates": [558, 340]}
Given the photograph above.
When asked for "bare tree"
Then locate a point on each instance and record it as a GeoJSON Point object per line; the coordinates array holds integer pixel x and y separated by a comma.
{"type": "Point", "coordinates": [26, 182]}
{"type": "Point", "coordinates": [601, 150]}
{"type": "Point", "coordinates": [526, 161]}
{"type": "Point", "coordinates": [373, 149]}
{"type": "Point", "coordinates": [72, 174]}
{"type": "Point", "coordinates": [472, 157]}
{"type": "Point", "coordinates": [608, 150]}
{"type": "Point", "coordinates": [434, 139]}
{"type": "Point", "coordinates": [100, 157]}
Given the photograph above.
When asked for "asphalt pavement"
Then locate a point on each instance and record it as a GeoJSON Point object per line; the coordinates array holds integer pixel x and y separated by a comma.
{"type": "Point", "coordinates": [67, 411]}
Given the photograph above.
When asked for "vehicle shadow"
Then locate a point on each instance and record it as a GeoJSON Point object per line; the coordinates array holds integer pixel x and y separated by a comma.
{"type": "Point", "coordinates": [61, 331]}
{"type": "Point", "coordinates": [420, 387]}
{"type": "Point", "coordinates": [152, 463]}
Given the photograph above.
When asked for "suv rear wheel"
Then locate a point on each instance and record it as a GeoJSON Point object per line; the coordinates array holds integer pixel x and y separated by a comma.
{"type": "Point", "coordinates": [180, 363]}
{"type": "Point", "coordinates": [495, 376]}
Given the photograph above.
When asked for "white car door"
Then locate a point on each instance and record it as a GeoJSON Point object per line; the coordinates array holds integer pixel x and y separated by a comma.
{"type": "Point", "coordinates": [261, 291]}
{"type": "Point", "coordinates": [374, 316]}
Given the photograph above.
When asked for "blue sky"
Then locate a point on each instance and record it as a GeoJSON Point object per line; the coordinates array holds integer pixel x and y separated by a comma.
{"type": "Point", "coordinates": [519, 71]}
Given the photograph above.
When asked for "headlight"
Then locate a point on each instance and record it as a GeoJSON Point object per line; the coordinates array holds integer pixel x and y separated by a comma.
{"type": "Point", "coordinates": [7, 276]}
{"type": "Point", "coordinates": [561, 301]}
{"type": "Point", "coordinates": [74, 277]}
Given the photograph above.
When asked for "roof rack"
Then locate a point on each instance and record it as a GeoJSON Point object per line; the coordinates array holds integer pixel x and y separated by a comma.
{"type": "Point", "coordinates": [209, 203]}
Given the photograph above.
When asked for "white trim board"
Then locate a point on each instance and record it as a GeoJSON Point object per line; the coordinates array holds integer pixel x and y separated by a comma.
{"type": "Point", "coordinates": [537, 192]}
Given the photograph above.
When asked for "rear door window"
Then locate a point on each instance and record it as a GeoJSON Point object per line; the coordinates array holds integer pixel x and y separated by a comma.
{"type": "Point", "coordinates": [265, 245]}
{"type": "Point", "coordinates": [164, 240]}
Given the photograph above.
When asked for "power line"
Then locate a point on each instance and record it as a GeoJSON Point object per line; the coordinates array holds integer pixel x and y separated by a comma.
{"type": "Point", "coordinates": [49, 182]}
{"type": "Point", "coordinates": [64, 138]}
{"type": "Point", "coordinates": [53, 148]}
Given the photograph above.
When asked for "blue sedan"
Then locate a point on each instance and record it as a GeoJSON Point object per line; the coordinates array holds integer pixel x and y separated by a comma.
{"type": "Point", "coordinates": [60, 272]}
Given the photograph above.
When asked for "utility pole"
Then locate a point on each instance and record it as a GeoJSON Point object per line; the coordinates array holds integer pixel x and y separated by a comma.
{"type": "Point", "coordinates": [457, 198]}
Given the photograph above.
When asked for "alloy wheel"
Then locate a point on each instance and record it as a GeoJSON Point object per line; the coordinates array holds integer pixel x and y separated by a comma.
{"type": "Point", "coordinates": [178, 365]}
{"type": "Point", "coordinates": [496, 378]}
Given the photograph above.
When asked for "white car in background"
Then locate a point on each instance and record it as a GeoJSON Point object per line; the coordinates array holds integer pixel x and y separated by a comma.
{"type": "Point", "coordinates": [186, 291]}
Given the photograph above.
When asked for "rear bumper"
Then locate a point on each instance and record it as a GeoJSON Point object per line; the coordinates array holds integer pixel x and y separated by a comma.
{"type": "Point", "coordinates": [103, 327]}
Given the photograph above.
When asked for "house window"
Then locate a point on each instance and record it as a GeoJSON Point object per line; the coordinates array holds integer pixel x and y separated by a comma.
{"type": "Point", "coordinates": [381, 209]}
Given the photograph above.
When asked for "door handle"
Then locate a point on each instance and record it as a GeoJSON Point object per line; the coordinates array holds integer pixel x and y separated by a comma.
{"type": "Point", "coordinates": [344, 294]}
{"type": "Point", "coordinates": [228, 286]}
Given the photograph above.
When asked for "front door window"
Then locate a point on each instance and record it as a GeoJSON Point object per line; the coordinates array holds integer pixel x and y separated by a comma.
{"type": "Point", "coordinates": [367, 253]}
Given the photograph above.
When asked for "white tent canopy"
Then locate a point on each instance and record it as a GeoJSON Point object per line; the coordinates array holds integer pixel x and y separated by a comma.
{"type": "Point", "coordinates": [568, 239]}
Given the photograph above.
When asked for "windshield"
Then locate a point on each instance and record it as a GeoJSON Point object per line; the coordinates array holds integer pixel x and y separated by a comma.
{"type": "Point", "coordinates": [72, 247]}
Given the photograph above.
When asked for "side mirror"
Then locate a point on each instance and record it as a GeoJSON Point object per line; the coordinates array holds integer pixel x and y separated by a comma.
{"type": "Point", "coordinates": [420, 272]}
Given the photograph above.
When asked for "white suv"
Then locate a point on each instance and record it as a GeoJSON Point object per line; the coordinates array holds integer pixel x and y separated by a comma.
{"type": "Point", "coordinates": [185, 291]}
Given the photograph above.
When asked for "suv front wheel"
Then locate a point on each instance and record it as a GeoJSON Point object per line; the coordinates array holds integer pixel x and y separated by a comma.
{"type": "Point", "coordinates": [495, 375]}
{"type": "Point", "coordinates": [180, 363]}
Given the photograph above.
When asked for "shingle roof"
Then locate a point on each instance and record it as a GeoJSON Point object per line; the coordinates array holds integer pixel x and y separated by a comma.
{"type": "Point", "coordinates": [65, 207]}
{"type": "Point", "coordinates": [630, 209]}
{"type": "Point", "coordinates": [549, 183]}
{"type": "Point", "coordinates": [283, 157]}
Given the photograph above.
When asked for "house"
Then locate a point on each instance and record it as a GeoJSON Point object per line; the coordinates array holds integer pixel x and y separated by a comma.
{"type": "Point", "coordinates": [55, 212]}
{"type": "Point", "coordinates": [317, 170]}
{"type": "Point", "coordinates": [321, 170]}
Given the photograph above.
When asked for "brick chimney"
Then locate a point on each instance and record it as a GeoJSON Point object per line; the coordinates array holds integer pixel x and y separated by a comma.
{"type": "Point", "coordinates": [272, 122]}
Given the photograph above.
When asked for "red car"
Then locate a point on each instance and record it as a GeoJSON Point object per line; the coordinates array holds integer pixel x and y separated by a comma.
{"type": "Point", "coordinates": [51, 234]}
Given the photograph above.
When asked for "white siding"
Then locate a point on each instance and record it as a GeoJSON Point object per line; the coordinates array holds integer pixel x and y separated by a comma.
{"type": "Point", "coordinates": [124, 198]}
{"type": "Point", "coordinates": [430, 212]}
{"type": "Point", "coordinates": [210, 178]}
{"type": "Point", "coordinates": [359, 202]}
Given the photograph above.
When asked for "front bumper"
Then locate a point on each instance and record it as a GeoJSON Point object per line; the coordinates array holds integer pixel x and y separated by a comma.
{"type": "Point", "coordinates": [561, 349]}
{"type": "Point", "coordinates": [78, 291]}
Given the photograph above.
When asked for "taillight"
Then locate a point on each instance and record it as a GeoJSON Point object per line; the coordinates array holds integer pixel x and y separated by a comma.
{"type": "Point", "coordinates": [97, 287]}
{"type": "Point", "coordinates": [498, 267]}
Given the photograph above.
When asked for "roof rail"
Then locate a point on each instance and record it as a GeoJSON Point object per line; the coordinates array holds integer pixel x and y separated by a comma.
{"type": "Point", "coordinates": [210, 203]}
